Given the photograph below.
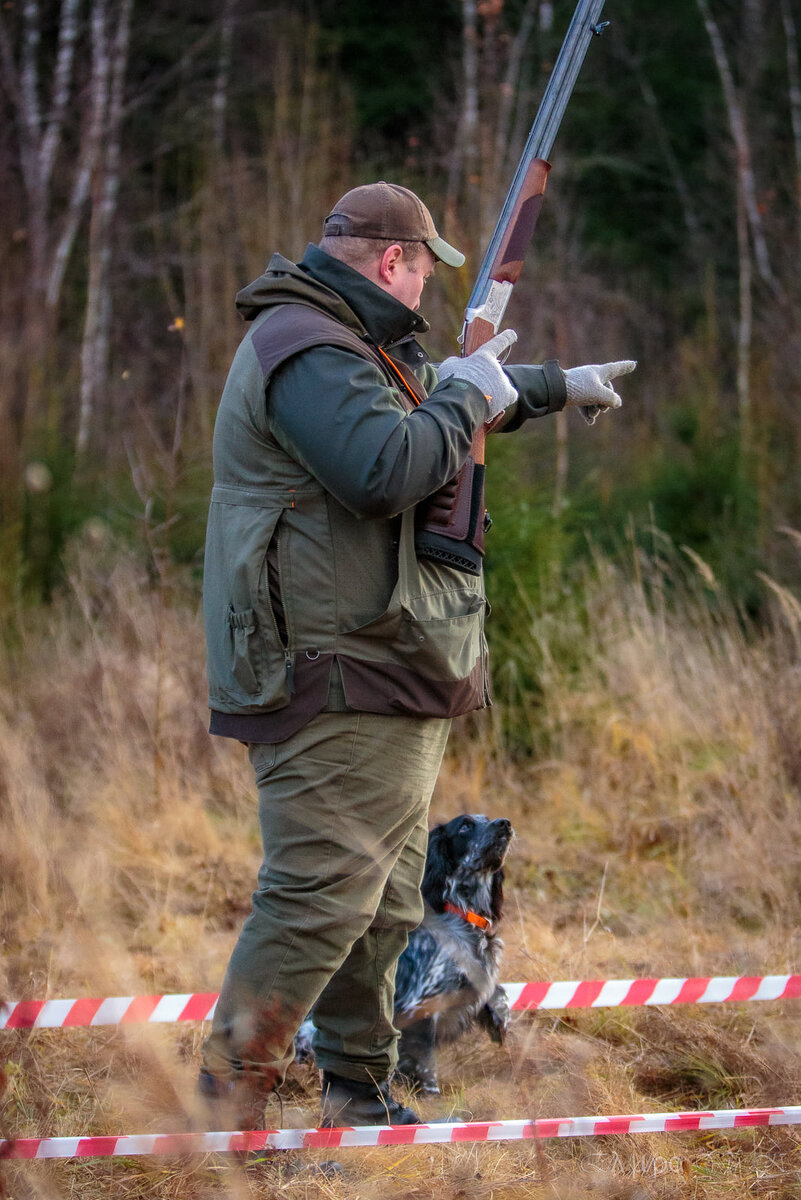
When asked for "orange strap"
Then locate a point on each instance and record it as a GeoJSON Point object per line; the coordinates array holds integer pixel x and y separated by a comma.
{"type": "Point", "coordinates": [472, 917]}
{"type": "Point", "coordinates": [398, 375]}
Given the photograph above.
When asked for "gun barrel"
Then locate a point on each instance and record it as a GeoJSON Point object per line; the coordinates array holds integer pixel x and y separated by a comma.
{"type": "Point", "coordinates": [543, 132]}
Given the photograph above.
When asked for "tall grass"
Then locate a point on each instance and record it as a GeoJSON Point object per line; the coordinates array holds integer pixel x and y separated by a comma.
{"type": "Point", "coordinates": [658, 833]}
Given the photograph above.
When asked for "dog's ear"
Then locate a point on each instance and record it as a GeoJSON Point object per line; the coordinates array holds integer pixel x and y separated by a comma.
{"type": "Point", "coordinates": [438, 866]}
{"type": "Point", "coordinates": [496, 898]}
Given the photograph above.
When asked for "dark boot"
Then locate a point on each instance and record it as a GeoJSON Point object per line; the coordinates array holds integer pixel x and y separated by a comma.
{"type": "Point", "coordinates": [361, 1102]}
{"type": "Point", "coordinates": [235, 1104]}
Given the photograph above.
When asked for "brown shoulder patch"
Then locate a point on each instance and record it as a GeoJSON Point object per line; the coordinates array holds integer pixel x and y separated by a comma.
{"type": "Point", "coordinates": [292, 328]}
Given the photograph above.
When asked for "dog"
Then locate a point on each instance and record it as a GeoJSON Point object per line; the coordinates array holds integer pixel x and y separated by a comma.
{"type": "Point", "coordinates": [447, 977]}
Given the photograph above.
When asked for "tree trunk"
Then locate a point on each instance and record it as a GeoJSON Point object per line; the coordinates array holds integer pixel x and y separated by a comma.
{"type": "Point", "coordinates": [97, 327]}
{"type": "Point", "coordinates": [219, 100]}
{"type": "Point", "coordinates": [562, 273]}
{"type": "Point", "coordinates": [794, 87]}
{"type": "Point", "coordinates": [739, 133]}
{"type": "Point", "coordinates": [39, 138]}
{"type": "Point", "coordinates": [745, 322]}
{"type": "Point", "coordinates": [689, 214]}
{"type": "Point", "coordinates": [504, 142]}
{"type": "Point", "coordinates": [465, 161]}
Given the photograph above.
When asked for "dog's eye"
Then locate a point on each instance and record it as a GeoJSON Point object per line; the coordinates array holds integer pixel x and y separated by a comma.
{"type": "Point", "coordinates": [465, 826]}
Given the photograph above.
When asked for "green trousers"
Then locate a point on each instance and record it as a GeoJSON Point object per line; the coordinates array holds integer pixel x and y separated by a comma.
{"type": "Point", "coordinates": [343, 809]}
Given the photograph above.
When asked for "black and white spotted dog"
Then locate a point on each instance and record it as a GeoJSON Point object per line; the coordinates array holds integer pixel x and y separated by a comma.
{"type": "Point", "coordinates": [447, 977]}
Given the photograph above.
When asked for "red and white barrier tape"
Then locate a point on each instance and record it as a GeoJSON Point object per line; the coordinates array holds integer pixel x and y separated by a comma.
{"type": "Point", "coordinates": [393, 1135]}
{"type": "Point", "coordinates": [586, 993]}
{"type": "Point", "coordinates": [616, 993]}
{"type": "Point", "coordinates": [114, 1010]}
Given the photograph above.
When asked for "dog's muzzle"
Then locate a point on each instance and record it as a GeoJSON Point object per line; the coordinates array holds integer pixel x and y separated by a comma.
{"type": "Point", "coordinates": [491, 850]}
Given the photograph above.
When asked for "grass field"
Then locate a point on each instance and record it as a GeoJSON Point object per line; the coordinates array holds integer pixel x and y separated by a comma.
{"type": "Point", "coordinates": [659, 835]}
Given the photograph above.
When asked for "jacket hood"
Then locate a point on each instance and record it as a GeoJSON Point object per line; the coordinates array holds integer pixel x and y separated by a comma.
{"type": "Point", "coordinates": [337, 289]}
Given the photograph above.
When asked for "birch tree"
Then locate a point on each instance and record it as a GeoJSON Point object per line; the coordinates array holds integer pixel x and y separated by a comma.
{"type": "Point", "coordinates": [794, 88]}
{"type": "Point", "coordinates": [738, 128]}
{"type": "Point", "coordinates": [110, 40]}
{"type": "Point", "coordinates": [751, 241]}
{"type": "Point", "coordinates": [56, 104]}
{"type": "Point", "coordinates": [39, 114]}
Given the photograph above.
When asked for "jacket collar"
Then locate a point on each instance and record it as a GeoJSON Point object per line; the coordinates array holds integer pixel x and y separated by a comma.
{"type": "Point", "coordinates": [383, 317]}
{"type": "Point", "coordinates": [331, 285]}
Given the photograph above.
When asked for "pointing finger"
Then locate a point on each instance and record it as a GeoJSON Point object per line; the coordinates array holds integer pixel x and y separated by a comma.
{"type": "Point", "coordinates": [497, 345]}
{"type": "Point", "coordinates": [624, 367]}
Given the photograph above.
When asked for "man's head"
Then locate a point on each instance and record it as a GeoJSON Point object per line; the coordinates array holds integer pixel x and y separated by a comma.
{"type": "Point", "coordinates": [387, 234]}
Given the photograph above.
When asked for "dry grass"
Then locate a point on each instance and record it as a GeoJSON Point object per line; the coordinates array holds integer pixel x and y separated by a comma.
{"type": "Point", "coordinates": [662, 837]}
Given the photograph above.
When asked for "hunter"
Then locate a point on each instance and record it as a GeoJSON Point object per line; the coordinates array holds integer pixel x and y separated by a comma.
{"type": "Point", "coordinates": [336, 652]}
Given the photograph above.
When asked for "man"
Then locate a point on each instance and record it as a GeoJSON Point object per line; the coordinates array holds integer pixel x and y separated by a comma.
{"type": "Point", "coordinates": [337, 653]}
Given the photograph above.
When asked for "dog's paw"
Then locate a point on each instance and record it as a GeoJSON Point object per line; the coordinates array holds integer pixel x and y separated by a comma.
{"type": "Point", "coordinates": [495, 1018]}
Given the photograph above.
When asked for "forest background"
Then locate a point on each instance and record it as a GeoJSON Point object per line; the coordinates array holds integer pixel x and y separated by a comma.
{"type": "Point", "coordinates": [151, 161]}
{"type": "Point", "coordinates": [644, 573]}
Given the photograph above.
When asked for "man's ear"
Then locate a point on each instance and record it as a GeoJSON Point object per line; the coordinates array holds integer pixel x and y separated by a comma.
{"type": "Point", "coordinates": [390, 261]}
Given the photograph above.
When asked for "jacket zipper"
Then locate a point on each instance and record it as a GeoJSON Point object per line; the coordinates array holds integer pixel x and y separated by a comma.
{"type": "Point", "coordinates": [289, 666]}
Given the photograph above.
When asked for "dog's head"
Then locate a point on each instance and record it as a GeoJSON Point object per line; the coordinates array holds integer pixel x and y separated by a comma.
{"type": "Point", "coordinates": [464, 865]}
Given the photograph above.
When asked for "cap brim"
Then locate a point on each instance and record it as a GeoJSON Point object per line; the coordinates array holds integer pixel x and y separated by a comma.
{"type": "Point", "coordinates": [445, 253]}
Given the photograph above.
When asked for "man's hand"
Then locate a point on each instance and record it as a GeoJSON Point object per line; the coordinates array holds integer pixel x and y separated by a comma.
{"type": "Point", "coordinates": [589, 389]}
{"type": "Point", "coordinates": [483, 369]}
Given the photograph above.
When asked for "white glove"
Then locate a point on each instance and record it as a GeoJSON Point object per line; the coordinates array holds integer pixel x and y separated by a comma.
{"type": "Point", "coordinates": [483, 369]}
{"type": "Point", "coordinates": [589, 389]}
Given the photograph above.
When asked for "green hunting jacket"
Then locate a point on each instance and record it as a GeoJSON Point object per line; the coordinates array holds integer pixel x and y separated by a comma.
{"type": "Point", "coordinates": [319, 460]}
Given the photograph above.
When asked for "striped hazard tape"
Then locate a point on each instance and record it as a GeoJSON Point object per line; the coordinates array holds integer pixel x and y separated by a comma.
{"type": "Point", "coordinates": [617, 993]}
{"type": "Point", "coordinates": [114, 1010]}
{"type": "Point", "coordinates": [586, 993]}
{"type": "Point", "coordinates": [394, 1135]}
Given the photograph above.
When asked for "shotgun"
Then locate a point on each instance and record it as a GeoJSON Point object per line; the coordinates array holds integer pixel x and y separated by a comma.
{"type": "Point", "coordinates": [451, 524]}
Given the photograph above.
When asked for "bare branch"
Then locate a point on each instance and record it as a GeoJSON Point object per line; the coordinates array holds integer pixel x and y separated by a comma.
{"type": "Point", "coordinates": [794, 82]}
{"type": "Point", "coordinates": [739, 134]}
{"type": "Point", "coordinates": [745, 324]}
{"type": "Point", "coordinates": [29, 79]}
{"type": "Point", "coordinates": [65, 57]}
{"type": "Point", "coordinates": [72, 219]}
{"type": "Point", "coordinates": [177, 69]}
{"type": "Point", "coordinates": [219, 100]}
{"type": "Point", "coordinates": [470, 110]}
{"type": "Point", "coordinates": [8, 68]}
{"type": "Point", "coordinates": [691, 221]}
{"type": "Point", "coordinates": [91, 139]}
{"type": "Point", "coordinates": [97, 327]}
{"type": "Point", "coordinates": [509, 87]}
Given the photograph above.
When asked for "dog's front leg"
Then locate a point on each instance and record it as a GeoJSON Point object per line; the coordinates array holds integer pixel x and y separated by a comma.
{"type": "Point", "coordinates": [417, 1060]}
{"type": "Point", "coordinates": [494, 1016]}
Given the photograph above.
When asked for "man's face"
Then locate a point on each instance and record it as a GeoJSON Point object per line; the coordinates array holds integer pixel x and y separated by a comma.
{"type": "Point", "coordinates": [410, 277]}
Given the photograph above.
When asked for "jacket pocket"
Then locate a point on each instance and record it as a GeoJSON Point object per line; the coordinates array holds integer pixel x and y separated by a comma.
{"type": "Point", "coordinates": [444, 647]}
{"type": "Point", "coordinates": [440, 638]}
{"type": "Point", "coordinates": [247, 658]}
{"type": "Point", "coordinates": [243, 626]}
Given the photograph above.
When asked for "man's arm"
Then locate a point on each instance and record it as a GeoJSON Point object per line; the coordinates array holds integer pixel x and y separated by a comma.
{"type": "Point", "coordinates": [548, 389]}
{"type": "Point", "coordinates": [335, 413]}
{"type": "Point", "coordinates": [540, 391]}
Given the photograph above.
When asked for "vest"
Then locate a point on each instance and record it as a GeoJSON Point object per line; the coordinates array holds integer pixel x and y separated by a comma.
{"type": "Point", "coordinates": [293, 581]}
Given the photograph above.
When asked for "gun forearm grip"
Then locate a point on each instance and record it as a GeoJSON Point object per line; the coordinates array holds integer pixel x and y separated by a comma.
{"type": "Point", "coordinates": [451, 523]}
